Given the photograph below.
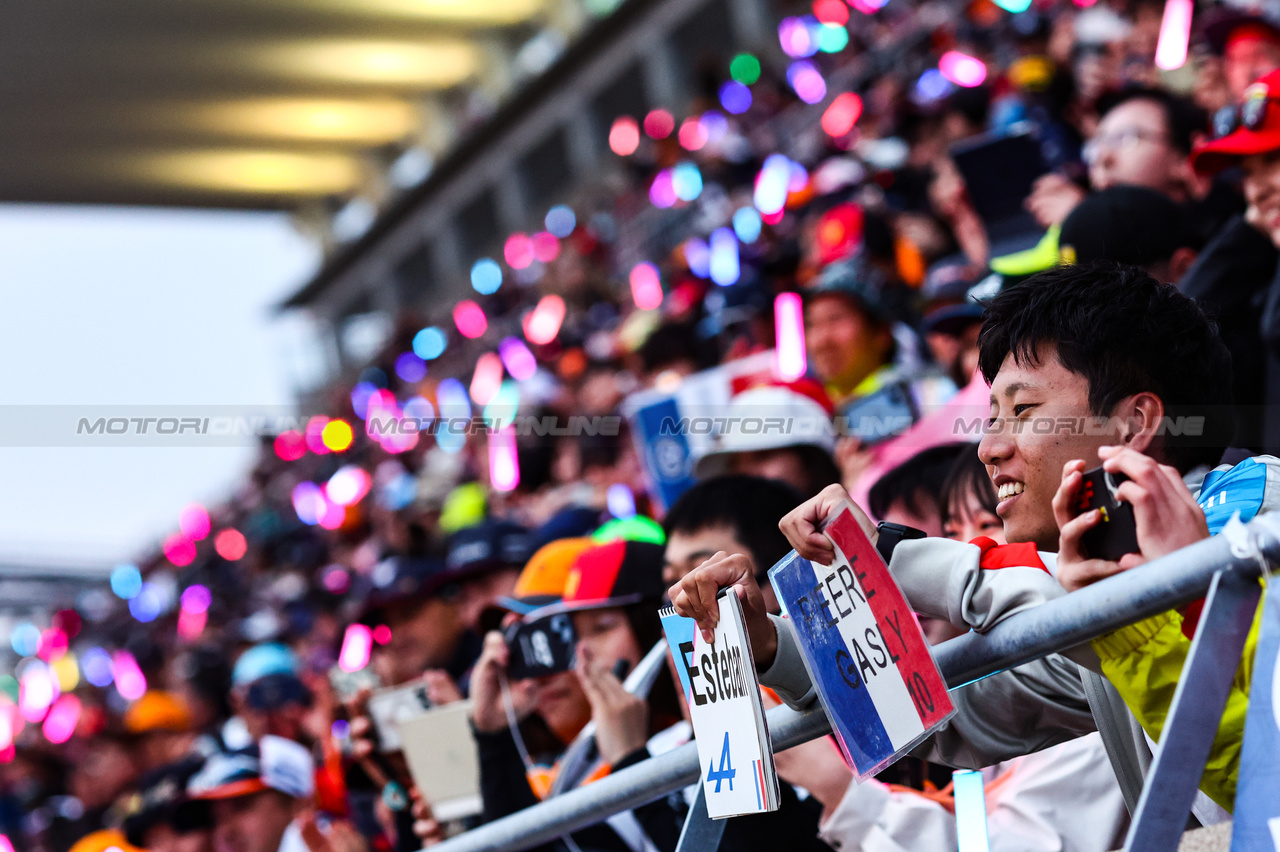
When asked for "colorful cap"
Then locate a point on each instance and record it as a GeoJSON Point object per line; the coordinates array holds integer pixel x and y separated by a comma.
{"type": "Point", "coordinates": [157, 710]}
{"type": "Point", "coordinates": [275, 763]}
{"type": "Point", "coordinates": [619, 573]}
{"type": "Point", "coordinates": [1220, 153]}
{"type": "Point", "coordinates": [543, 579]}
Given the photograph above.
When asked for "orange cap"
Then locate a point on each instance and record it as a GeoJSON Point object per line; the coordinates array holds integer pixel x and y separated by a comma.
{"type": "Point", "coordinates": [544, 576]}
{"type": "Point", "coordinates": [157, 710]}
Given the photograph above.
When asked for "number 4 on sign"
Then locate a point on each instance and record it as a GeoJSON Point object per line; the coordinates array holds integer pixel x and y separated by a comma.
{"type": "Point", "coordinates": [726, 770]}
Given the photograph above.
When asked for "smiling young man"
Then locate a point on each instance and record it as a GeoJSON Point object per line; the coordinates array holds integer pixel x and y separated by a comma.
{"type": "Point", "coordinates": [1087, 365]}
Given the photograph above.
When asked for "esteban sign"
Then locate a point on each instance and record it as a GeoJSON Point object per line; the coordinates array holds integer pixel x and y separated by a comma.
{"type": "Point", "coordinates": [720, 686]}
{"type": "Point", "coordinates": [863, 648]}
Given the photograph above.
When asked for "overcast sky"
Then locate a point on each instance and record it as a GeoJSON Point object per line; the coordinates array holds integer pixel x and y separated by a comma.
{"type": "Point", "coordinates": [136, 306]}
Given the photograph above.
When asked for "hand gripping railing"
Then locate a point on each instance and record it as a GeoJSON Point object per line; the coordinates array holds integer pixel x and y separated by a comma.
{"type": "Point", "coordinates": [1226, 562]}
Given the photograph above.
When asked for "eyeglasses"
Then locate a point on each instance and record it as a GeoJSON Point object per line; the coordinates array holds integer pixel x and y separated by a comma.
{"type": "Point", "coordinates": [1120, 140]}
{"type": "Point", "coordinates": [1248, 114]}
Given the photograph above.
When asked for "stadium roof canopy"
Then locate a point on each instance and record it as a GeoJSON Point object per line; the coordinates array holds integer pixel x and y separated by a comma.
{"type": "Point", "coordinates": [272, 104]}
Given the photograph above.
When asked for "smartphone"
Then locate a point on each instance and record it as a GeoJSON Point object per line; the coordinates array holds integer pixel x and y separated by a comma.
{"type": "Point", "coordinates": [1117, 533]}
{"type": "Point", "coordinates": [881, 415]}
{"type": "Point", "coordinates": [541, 647]}
{"type": "Point", "coordinates": [347, 684]}
{"type": "Point", "coordinates": [392, 705]}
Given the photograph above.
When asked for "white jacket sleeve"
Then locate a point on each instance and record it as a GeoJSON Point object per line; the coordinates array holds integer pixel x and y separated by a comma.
{"type": "Point", "coordinates": [873, 818]}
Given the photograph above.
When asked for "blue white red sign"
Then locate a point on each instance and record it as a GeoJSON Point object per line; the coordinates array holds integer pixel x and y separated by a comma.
{"type": "Point", "coordinates": [863, 647]}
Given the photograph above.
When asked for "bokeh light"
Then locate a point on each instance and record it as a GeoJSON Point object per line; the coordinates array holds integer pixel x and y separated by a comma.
{"type": "Point", "coordinates": [53, 645]}
{"type": "Point", "coordinates": [744, 68]}
{"type": "Point", "coordinates": [357, 645]}
{"type": "Point", "coordinates": [560, 220]}
{"type": "Point", "coordinates": [337, 435]}
{"type": "Point", "coordinates": [646, 286]}
{"type": "Point", "coordinates": [725, 266]}
{"type": "Point", "coordinates": [130, 682]}
{"type": "Point", "coordinates": [126, 581]}
{"type": "Point", "coordinates": [487, 378]}
{"type": "Point", "coordinates": [662, 192]}
{"type": "Point", "coordinates": [290, 445]}
{"type": "Point", "coordinates": [542, 324]}
{"type": "Point", "coordinates": [624, 136]}
{"type": "Point", "coordinates": [230, 544]}
{"type": "Point", "coordinates": [962, 69]}
{"type": "Point", "coordinates": [788, 317]}
{"type": "Point", "coordinates": [831, 12]}
{"type": "Point", "coordinates": [97, 667]}
{"type": "Point", "coordinates": [659, 124]}
{"type": "Point", "coordinates": [517, 358]}
{"type": "Point", "coordinates": [486, 276]}
{"type": "Point", "coordinates": [832, 38]}
{"type": "Point", "coordinates": [348, 485]}
{"type": "Point", "coordinates": [692, 135]}
{"type": "Point", "coordinates": [194, 522]}
{"type": "Point", "coordinates": [429, 343]}
{"type": "Point", "coordinates": [686, 180]}
{"type": "Point", "coordinates": [1175, 34]}
{"type": "Point", "coordinates": [147, 605]}
{"type": "Point", "coordinates": [504, 462]}
{"type": "Point", "coordinates": [735, 97]}
{"type": "Point", "coordinates": [61, 722]}
{"type": "Point", "coordinates": [796, 38]}
{"type": "Point", "coordinates": [308, 502]}
{"type": "Point", "coordinates": [805, 79]}
{"type": "Point", "coordinates": [620, 500]}
{"type": "Point", "coordinates": [314, 434]}
{"type": "Point", "coordinates": [546, 247]}
{"type": "Point", "coordinates": [771, 184]}
{"type": "Point", "coordinates": [698, 257]}
{"type": "Point", "coordinates": [518, 251]}
{"type": "Point", "coordinates": [382, 634]}
{"type": "Point", "coordinates": [410, 368]}
{"type": "Point", "coordinates": [843, 113]}
{"type": "Point", "coordinates": [25, 637]}
{"type": "Point", "coordinates": [37, 689]}
{"type": "Point", "coordinates": [419, 408]}
{"type": "Point", "coordinates": [747, 224]}
{"type": "Point", "coordinates": [179, 550]}
{"type": "Point", "coordinates": [470, 319]}
{"type": "Point", "coordinates": [67, 672]}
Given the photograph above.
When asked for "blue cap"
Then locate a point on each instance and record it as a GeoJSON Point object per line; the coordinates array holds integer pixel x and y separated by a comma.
{"type": "Point", "coordinates": [262, 660]}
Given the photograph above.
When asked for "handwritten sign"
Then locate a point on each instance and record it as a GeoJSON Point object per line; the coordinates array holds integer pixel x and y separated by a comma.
{"type": "Point", "coordinates": [863, 648]}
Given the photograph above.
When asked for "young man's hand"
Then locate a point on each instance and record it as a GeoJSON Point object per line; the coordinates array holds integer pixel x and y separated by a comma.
{"type": "Point", "coordinates": [801, 525]}
{"type": "Point", "coordinates": [695, 597]}
{"type": "Point", "coordinates": [622, 719]}
{"type": "Point", "coordinates": [1165, 513]}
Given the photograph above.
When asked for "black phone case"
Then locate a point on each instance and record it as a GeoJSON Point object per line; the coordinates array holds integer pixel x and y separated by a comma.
{"type": "Point", "coordinates": [541, 647]}
{"type": "Point", "coordinates": [1117, 533]}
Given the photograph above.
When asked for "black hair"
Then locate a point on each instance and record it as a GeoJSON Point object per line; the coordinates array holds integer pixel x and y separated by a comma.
{"type": "Point", "coordinates": [1183, 118]}
{"type": "Point", "coordinates": [917, 482]}
{"type": "Point", "coordinates": [1125, 333]}
{"type": "Point", "coordinates": [749, 505]}
{"type": "Point", "coordinates": [968, 477]}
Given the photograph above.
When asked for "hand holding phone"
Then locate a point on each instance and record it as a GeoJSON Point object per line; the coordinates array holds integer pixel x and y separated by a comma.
{"type": "Point", "coordinates": [1116, 532]}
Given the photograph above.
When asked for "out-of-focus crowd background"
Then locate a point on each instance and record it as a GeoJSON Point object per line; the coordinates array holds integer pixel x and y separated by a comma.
{"type": "Point", "coordinates": [563, 211]}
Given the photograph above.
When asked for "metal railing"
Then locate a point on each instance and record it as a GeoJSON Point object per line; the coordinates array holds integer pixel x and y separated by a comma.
{"type": "Point", "coordinates": [1238, 555]}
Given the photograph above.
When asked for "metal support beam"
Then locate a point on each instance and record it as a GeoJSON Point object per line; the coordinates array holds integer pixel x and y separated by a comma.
{"type": "Point", "coordinates": [1193, 718]}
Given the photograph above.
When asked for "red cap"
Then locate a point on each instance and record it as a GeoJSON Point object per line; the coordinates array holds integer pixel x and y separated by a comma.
{"type": "Point", "coordinates": [1218, 154]}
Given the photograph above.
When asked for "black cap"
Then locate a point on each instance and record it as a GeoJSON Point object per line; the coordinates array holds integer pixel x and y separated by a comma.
{"type": "Point", "coordinates": [401, 578]}
{"type": "Point", "coordinates": [277, 690]}
{"type": "Point", "coordinates": [1125, 224]}
{"type": "Point", "coordinates": [859, 280]}
{"type": "Point", "coordinates": [162, 800]}
{"type": "Point", "coordinates": [488, 546]}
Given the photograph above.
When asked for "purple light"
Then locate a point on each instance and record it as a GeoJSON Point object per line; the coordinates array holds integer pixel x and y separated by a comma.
{"type": "Point", "coordinates": [517, 358]}
{"type": "Point", "coordinates": [410, 367]}
{"type": "Point", "coordinates": [308, 502]}
{"type": "Point", "coordinates": [807, 81]}
{"type": "Point", "coordinates": [698, 256]}
{"type": "Point", "coordinates": [97, 667]}
{"type": "Point", "coordinates": [714, 125]}
{"type": "Point", "coordinates": [662, 192]}
{"type": "Point", "coordinates": [61, 722]}
{"type": "Point", "coordinates": [196, 599]}
{"type": "Point", "coordinates": [130, 682]}
{"type": "Point", "coordinates": [735, 97]}
{"type": "Point", "coordinates": [795, 37]}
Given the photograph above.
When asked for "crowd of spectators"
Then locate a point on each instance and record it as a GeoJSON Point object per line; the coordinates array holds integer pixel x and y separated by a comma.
{"type": "Point", "coordinates": [225, 705]}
